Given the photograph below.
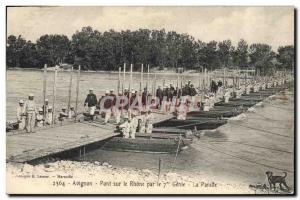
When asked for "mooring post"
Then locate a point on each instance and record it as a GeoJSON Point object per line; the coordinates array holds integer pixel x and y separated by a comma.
{"type": "Point", "coordinates": [123, 85]}
{"type": "Point", "coordinates": [147, 84]}
{"type": "Point", "coordinates": [54, 94]}
{"type": "Point", "coordinates": [44, 92]}
{"type": "Point", "coordinates": [154, 85]}
{"type": "Point", "coordinates": [70, 89]}
{"type": "Point", "coordinates": [141, 80]}
{"type": "Point", "coordinates": [119, 77]}
{"type": "Point", "coordinates": [77, 92]}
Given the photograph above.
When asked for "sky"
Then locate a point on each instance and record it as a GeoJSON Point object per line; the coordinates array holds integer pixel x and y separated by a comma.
{"type": "Point", "coordinates": [271, 25]}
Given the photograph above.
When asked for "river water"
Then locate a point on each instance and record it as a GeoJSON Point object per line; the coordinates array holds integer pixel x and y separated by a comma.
{"type": "Point", "coordinates": [19, 83]}
{"type": "Point", "coordinates": [234, 151]}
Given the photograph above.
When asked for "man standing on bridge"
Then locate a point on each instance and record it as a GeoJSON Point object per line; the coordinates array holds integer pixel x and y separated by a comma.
{"type": "Point", "coordinates": [91, 101]}
{"type": "Point", "coordinates": [30, 111]}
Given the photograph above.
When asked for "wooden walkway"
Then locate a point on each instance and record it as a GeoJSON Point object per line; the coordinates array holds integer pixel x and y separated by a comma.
{"type": "Point", "coordinates": [26, 147]}
{"type": "Point", "coordinates": [23, 147]}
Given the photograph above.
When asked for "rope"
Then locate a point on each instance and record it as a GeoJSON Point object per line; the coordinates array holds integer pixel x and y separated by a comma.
{"type": "Point", "coordinates": [244, 159]}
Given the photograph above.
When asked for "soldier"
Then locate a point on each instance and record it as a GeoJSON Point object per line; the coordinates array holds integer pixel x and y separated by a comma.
{"type": "Point", "coordinates": [211, 100]}
{"type": "Point", "coordinates": [206, 103]}
{"type": "Point", "coordinates": [181, 110]}
{"type": "Point", "coordinates": [226, 96]}
{"type": "Point", "coordinates": [21, 116]}
{"type": "Point", "coordinates": [91, 102]}
{"type": "Point", "coordinates": [133, 126]}
{"type": "Point", "coordinates": [193, 91]}
{"type": "Point", "coordinates": [40, 118]}
{"type": "Point", "coordinates": [46, 106]}
{"type": "Point", "coordinates": [71, 114]}
{"type": "Point", "coordinates": [30, 111]}
{"type": "Point", "coordinates": [108, 102]}
{"type": "Point", "coordinates": [118, 107]}
{"type": "Point", "coordinates": [125, 127]}
{"type": "Point", "coordinates": [159, 95]}
{"type": "Point", "coordinates": [144, 98]}
{"type": "Point", "coordinates": [63, 114]}
{"type": "Point", "coordinates": [149, 122]}
{"type": "Point", "coordinates": [142, 123]}
{"type": "Point", "coordinates": [248, 88]}
{"type": "Point", "coordinates": [49, 116]}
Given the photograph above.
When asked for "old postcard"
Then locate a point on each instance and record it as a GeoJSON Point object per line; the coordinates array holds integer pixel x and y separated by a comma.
{"type": "Point", "coordinates": [150, 100]}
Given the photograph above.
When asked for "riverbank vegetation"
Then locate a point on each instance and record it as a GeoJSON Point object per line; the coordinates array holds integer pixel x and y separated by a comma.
{"type": "Point", "coordinates": [108, 51]}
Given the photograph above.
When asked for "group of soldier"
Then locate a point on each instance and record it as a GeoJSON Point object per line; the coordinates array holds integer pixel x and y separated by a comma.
{"type": "Point", "coordinates": [30, 116]}
{"type": "Point", "coordinates": [219, 92]}
{"type": "Point", "coordinates": [132, 109]}
{"type": "Point", "coordinates": [124, 107]}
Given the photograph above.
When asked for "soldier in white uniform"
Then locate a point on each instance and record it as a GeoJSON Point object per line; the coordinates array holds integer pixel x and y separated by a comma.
{"type": "Point", "coordinates": [181, 110]}
{"type": "Point", "coordinates": [125, 127]}
{"type": "Point", "coordinates": [133, 126]}
{"type": "Point", "coordinates": [71, 114]}
{"type": "Point", "coordinates": [49, 116]}
{"type": "Point", "coordinates": [40, 118]}
{"type": "Point", "coordinates": [21, 116]}
{"type": "Point", "coordinates": [211, 100]}
{"type": "Point", "coordinates": [206, 103]}
{"type": "Point", "coordinates": [226, 96]}
{"type": "Point", "coordinates": [248, 88]}
{"type": "Point", "coordinates": [142, 123]}
{"type": "Point", "coordinates": [149, 122]}
{"type": "Point", "coordinates": [30, 111]}
{"type": "Point", "coordinates": [118, 108]}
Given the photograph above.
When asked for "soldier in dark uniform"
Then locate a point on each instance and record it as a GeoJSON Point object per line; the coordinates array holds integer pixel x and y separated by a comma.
{"type": "Point", "coordinates": [144, 97]}
{"type": "Point", "coordinates": [159, 95]}
{"type": "Point", "coordinates": [91, 102]}
{"type": "Point", "coordinates": [193, 91]}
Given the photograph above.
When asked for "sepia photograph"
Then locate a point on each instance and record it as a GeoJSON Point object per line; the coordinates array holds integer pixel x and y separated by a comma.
{"type": "Point", "coordinates": [150, 100]}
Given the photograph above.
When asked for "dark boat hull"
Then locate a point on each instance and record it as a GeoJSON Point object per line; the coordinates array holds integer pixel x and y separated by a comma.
{"type": "Point", "coordinates": [199, 124]}
{"type": "Point", "coordinates": [144, 144]}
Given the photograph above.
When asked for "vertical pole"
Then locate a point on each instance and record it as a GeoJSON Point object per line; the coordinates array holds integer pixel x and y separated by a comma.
{"type": "Point", "coordinates": [147, 85]}
{"type": "Point", "coordinates": [77, 91]}
{"type": "Point", "coordinates": [44, 92]}
{"type": "Point", "coordinates": [141, 81]}
{"type": "Point", "coordinates": [177, 86]}
{"type": "Point", "coordinates": [124, 75]}
{"type": "Point", "coordinates": [123, 85]}
{"type": "Point", "coordinates": [130, 84]}
{"type": "Point", "coordinates": [154, 85]}
{"type": "Point", "coordinates": [54, 95]}
{"type": "Point", "coordinates": [159, 168]}
{"type": "Point", "coordinates": [119, 79]}
{"type": "Point", "coordinates": [224, 76]}
{"type": "Point", "coordinates": [199, 80]}
{"type": "Point", "coordinates": [205, 81]}
{"type": "Point", "coordinates": [70, 89]}
{"type": "Point", "coordinates": [130, 88]}
{"type": "Point", "coordinates": [148, 74]}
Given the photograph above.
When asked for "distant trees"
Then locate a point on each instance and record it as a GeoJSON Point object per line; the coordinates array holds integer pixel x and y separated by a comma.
{"type": "Point", "coordinates": [94, 50]}
{"type": "Point", "coordinates": [285, 57]}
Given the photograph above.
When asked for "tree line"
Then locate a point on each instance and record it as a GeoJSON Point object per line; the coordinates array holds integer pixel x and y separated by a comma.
{"type": "Point", "coordinates": [94, 50]}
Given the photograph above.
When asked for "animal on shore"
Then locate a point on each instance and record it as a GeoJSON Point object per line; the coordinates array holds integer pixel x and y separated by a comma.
{"type": "Point", "coordinates": [273, 180]}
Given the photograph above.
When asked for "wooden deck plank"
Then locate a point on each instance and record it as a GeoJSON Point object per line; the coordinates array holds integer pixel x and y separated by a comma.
{"type": "Point", "coordinates": [26, 147]}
